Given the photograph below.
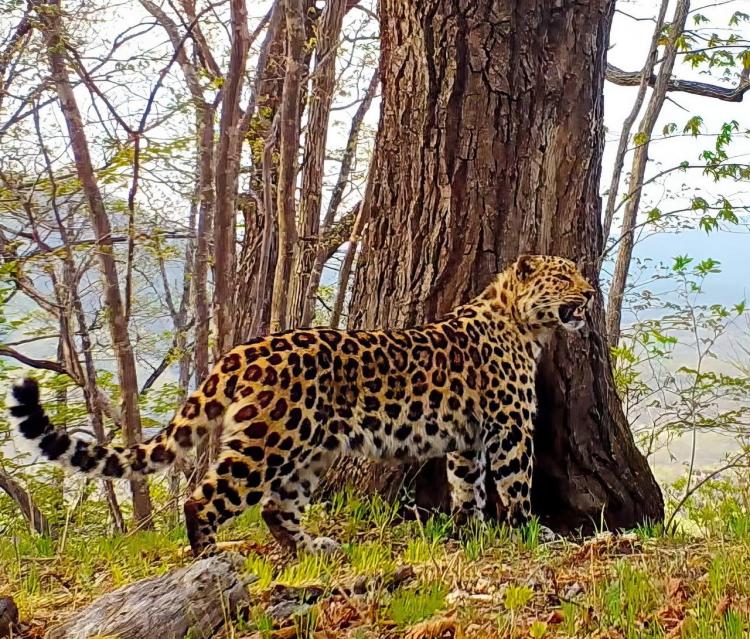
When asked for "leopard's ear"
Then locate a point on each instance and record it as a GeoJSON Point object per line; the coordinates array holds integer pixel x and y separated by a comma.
{"type": "Point", "coordinates": [525, 267]}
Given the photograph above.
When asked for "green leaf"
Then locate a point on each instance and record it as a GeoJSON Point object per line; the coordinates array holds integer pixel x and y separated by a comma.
{"type": "Point", "coordinates": [640, 138]}
{"type": "Point", "coordinates": [708, 223]}
{"type": "Point", "coordinates": [709, 265]}
{"type": "Point", "coordinates": [698, 204]}
{"type": "Point", "coordinates": [738, 16]}
{"type": "Point", "coordinates": [693, 125]}
{"type": "Point", "coordinates": [654, 215]}
{"type": "Point", "coordinates": [681, 262]}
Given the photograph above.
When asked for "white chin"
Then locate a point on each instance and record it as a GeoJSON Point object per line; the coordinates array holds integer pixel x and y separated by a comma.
{"type": "Point", "coordinates": [574, 325]}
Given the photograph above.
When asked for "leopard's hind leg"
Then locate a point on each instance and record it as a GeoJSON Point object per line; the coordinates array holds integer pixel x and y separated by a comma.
{"type": "Point", "coordinates": [290, 486]}
{"type": "Point", "coordinates": [233, 484]}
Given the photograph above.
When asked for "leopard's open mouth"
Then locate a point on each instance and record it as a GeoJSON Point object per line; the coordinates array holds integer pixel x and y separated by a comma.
{"type": "Point", "coordinates": [573, 314]}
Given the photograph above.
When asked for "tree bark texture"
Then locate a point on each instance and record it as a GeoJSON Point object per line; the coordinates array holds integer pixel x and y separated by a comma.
{"type": "Point", "coordinates": [289, 123]}
{"type": "Point", "coordinates": [226, 175]}
{"type": "Point", "coordinates": [253, 293]}
{"type": "Point", "coordinates": [50, 19]}
{"type": "Point", "coordinates": [321, 97]}
{"type": "Point", "coordinates": [192, 601]}
{"type": "Point", "coordinates": [489, 146]}
{"type": "Point", "coordinates": [254, 281]}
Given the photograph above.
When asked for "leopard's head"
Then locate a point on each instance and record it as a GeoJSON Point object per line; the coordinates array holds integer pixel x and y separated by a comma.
{"type": "Point", "coordinates": [549, 291]}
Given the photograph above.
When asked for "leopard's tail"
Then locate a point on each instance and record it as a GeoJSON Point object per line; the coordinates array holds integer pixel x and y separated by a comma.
{"type": "Point", "coordinates": [188, 427]}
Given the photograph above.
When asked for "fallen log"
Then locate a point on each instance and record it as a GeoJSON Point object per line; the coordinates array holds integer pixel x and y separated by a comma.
{"type": "Point", "coordinates": [195, 599]}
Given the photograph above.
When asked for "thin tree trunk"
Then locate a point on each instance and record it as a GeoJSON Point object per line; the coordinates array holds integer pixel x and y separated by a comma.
{"type": "Point", "coordinates": [227, 171]}
{"type": "Point", "coordinates": [489, 145]}
{"type": "Point", "coordinates": [268, 216]}
{"type": "Point", "coordinates": [288, 149]}
{"type": "Point", "coordinates": [254, 282]}
{"type": "Point", "coordinates": [50, 19]}
{"type": "Point", "coordinates": [29, 509]}
{"type": "Point", "coordinates": [321, 97]}
{"type": "Point", "coordinates": [346, 267]}
{"type": "Point", "coordinates": [323, 251]}
{"type": "Point", "coordinates": [637, 174]}
{"type": "Point", "coordinates": [204, 234]}
{"type": "Point", "coordinates": [70, 303]}
{"type": "Point", "coordinates": [627, 125]}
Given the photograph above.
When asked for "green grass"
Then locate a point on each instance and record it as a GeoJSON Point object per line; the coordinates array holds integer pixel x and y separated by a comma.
{"type": "Point", "coordinates": [492, 581]}
{"type": "Point", "coordinates": [410, 605]}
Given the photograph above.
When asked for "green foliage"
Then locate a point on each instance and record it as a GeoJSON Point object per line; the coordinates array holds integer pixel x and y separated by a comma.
{"type": "Point", "coordinates": [666, 365]}
{"type": "Point", "coordinates": [371, 558]}
{"type": "Point", "coordinates": [516, 597]}
{"type": "Point", "coordinates": [625, 598]}
{"type": "Point", "coordinates": [410, 605]}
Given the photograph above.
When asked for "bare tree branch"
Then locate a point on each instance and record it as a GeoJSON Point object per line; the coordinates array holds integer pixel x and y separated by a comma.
{"type": "Point", "coordinates": [633, 78]}
{"type": "Point", "coordinates": [23, 498]}
{"type": "Point", "coordinates": [44, 364]}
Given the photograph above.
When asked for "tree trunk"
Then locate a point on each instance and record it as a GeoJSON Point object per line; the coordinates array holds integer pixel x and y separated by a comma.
{"type": "Point", "coordinates": [50, 19]}
{"type": "Point", "coordinates": [254, 282]}
{"type": "Point", "coordinates": [324, 252]}
{"type": "Point", "coordinates": [289, 122]}
{"type": "Point", "coordinates": [321, 97]}
{"type": "Point", "coordinates": [489, 146]}
{"type": "Point", "coordinates": [227, 172]}
{"type": "Point", "coordinates": [622, 145]}
{"type": "Point", "coordinates": [637, 174]}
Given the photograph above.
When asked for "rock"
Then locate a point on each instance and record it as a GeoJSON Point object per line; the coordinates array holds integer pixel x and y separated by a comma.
{"type": "Point", "coordinates": [572, 591]}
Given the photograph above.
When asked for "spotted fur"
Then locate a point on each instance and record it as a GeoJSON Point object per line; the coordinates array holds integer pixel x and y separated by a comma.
{"type": "Point", "coordinates": [291, 402]}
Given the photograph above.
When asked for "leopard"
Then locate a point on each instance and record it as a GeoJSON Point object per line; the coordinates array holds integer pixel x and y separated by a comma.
{"type": "Point", "coordinates": [290, 403]}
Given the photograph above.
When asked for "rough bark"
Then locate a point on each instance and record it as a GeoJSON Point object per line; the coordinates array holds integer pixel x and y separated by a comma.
{"type": "Point", "coordinates": [319, 108]}
{"type": "Point", "coordinates": [637, 175]}
{"type": "Point", "coordinates": [260, 124]}
{"type": "Point", "coordinates": [227, 171]}
{"type": "Point", "coordinates": [50, 20]}
{"type": "Point", "coordinates": [254, 281]}
{"type": "Point", "coordinates": [206, 199]}
{"type": "Point", "coordinates": [192, 601]}
{"type": "Point", "coordinates": [288, 149]}
{"type": "Point", "coordinates": [489, 145]}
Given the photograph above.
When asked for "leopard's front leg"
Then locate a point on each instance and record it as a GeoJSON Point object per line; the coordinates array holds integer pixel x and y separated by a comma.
{"type": "Point", "coordinates": [466, 472]}
{"type": "Point", "coordinates": [511, 450]}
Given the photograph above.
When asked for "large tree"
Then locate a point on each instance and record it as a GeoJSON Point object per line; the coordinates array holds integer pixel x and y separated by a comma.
{"type": "Point", "coordinates": [489, 145]}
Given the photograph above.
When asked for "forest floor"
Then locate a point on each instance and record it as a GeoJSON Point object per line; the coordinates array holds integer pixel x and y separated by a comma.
{"type": "Point", "coordinates": [399, 578]}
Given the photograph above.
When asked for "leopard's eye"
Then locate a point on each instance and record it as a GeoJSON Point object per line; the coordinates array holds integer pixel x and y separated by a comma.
{"type": "Point", "coordinates": [563, 278]}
